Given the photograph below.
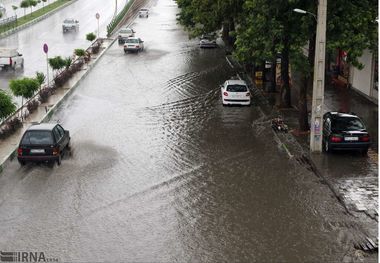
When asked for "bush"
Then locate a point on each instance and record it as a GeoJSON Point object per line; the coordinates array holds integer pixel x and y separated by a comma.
{"type": "Point", "coordinates": [44, 95]}
{"type": "Point", "coordinates": [10, 127]}
{"type": "Point", "coordinates": [32, 105]}
{"type": "Point", "coordinates": [79, 52]}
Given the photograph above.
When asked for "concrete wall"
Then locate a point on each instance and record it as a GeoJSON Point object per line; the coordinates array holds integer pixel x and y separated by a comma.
{"type": "Point", "coordinates": [362, 80]}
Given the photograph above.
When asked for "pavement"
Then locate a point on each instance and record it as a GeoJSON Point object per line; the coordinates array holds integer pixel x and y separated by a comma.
{"type": "Point", "coordinates": [352, 178]}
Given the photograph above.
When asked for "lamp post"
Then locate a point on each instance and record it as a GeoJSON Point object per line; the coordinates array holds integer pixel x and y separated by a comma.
{"type": "Point", "coordinates": [319, 77]}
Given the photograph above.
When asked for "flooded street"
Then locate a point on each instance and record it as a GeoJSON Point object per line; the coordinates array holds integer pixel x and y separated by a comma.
{"type": "Point", "coordinates": [160, 171]}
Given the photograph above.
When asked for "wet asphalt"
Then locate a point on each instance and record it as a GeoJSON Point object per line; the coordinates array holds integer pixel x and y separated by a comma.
{"type": "Point", "coordinates": [160, 171]}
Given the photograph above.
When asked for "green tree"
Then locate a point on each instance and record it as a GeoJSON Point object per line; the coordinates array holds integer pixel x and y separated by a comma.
{"type": "Point", "coordinates": [90, 37]}
{"type": "Point", "coordinates": [7, 107]}
{"type": "Point", "coordinates": [57, 63]}
{"type": "Point", "coordinates": [32, 3]}
{"type": "Point", "coordinates": [43, 3]}
{"type": "Point", "coordinates": [40, 77]}
{"type": "Point", "coordinates": [79, 52]}
{"type": "Point", "coordinates": [24, 88]}
{"type": "Point", "coordinates": [24, 4]}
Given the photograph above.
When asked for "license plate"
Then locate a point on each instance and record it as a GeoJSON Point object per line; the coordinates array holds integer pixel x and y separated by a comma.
{"type": "Point", "coordinates": [37, 151]}
{"type": "Point", "coordinates": [351, 138]}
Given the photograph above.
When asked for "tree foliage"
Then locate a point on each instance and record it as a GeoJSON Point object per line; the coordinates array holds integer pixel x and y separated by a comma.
{"type": "Point", "coordinates": [7, 107]}
{"type": "Point", "coordinates": [25, 87]}
{"type": "Point", "coordinates": [57, 63]}
{"type": "Point", "coordinates": [90, 37]}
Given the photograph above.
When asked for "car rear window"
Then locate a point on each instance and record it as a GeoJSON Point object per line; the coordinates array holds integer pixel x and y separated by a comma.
{"type": "Point", "coordinates": [132, 40]}
{"type": "Point", "coordinates": [37, 138]}
{"type": "Point", "coordinates": [237, 88]}
{"type": "Point", "coordinates": [347, 124]}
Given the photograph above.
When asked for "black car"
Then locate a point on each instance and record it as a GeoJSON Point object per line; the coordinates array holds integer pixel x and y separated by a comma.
{"type": "Point", "coordinates": [342, 131]}
{"type": "Point", "coordinates": [44, 142]}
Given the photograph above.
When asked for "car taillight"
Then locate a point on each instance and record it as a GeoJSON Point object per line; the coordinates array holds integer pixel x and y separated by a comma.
{"type": "Point", "coordinates": [55, 151]}
{"type": "Point", "coordinates": [225, 94]}
{"type": "Point", "coordinates": [137, 46]}
{"type": "Point", "coordinates": [10, 61]}
{"type": "Point", "coordinates": [336, 139]}
{"type": "Point", "coordinates": [364, 138]}
{"type": "Point", "coordinates": [19, 151]}
{"type": "Point", "coordinates": [248, 94]}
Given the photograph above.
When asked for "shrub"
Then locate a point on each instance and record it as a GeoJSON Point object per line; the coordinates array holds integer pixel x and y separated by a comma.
{"type": "Point", "coordinates": [32, 105]}
{"type": "Point", "coordinates": [44, 95]}
{"type": "Point", "coordinates": [79, 52]}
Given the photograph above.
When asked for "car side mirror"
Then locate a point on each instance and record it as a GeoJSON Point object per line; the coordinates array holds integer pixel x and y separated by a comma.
{"type": "Point", "coordinates": [76, 21]}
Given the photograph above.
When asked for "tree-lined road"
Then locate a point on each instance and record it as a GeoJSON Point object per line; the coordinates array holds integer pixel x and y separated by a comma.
{"type": "Point", "coordinates": [161, 172]}
{"type": "Point", "coordinates": [30, 41]}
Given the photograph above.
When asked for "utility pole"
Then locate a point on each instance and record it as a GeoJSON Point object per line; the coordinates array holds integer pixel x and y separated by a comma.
{"type": "Point", "coordinates": [319, 80]}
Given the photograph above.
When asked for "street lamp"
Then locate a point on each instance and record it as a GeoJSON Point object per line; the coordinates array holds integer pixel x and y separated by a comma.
{"type": "Point", "coordinates": [297, 10]}
{"type": "Point", "coordinates": [319, 77]}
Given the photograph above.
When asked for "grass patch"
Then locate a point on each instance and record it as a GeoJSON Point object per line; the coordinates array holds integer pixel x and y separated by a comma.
{"type": "Point", "coordinates": [35, 14]}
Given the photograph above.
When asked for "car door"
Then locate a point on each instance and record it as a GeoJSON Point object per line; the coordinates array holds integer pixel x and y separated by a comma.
{"type": "Point", "coordinates": [65, 136]}
{"type": "Point", "coordinates": [58, 138]}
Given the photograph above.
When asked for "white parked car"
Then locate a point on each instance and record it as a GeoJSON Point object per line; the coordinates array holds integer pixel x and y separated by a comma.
{"type": "Point", "coordinates": [144, 12]}
{"type": "Point", "coordinates": [125, 33]}
{"type": "Point", "coordinates": [70, 24]}
{"type": "Point", "coordinates": [235, 92]}
{"type": "Point", "coordinates": [133, 44]}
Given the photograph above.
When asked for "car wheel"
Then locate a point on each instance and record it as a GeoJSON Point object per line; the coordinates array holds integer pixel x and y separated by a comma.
{"type": "Point", "coordinates": [364, 152]}
{"type": "Point", "coordinates": [327, 146]}
{"type": "Point", "coordinates": [22, 163]}
{"type": "Point", "coordinates": [59, 160]}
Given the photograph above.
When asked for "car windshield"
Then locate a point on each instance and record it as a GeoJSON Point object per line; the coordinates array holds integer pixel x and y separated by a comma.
{"type": "Point", "coordinates": [347, 124]}
{"type": "Point", "coordinates": [37, 138]}
{"type": "Point", "coordinates": [132, 40]}
{"type": "Point", "coordinates": [68, 21]}
{"type": "Point", "coordinates": [125, 31]}
{"type": "Point", "coordinates": [237, 88]}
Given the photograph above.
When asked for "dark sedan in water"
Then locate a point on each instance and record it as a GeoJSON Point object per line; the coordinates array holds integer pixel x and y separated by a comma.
{"type": "Point", "coordinates": [43, 143]}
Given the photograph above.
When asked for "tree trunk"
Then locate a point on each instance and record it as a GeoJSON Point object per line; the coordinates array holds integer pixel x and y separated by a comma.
{"type": "Point", "coordinates": [306, 83]}
{"type": "Point", "coordinates": [285, 88]}
{"type": "Point", "coordinates": [272, 87]}
{"type": "Point", "coordinates": [302, 104]}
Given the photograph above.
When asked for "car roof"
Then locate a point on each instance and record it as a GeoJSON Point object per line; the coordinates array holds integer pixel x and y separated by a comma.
{"type": "Point", "coordinates": [144, 9]}
{"type": "Point", "coordinates": [236, 82]}
{"type": "Point", "coordinates": [129, 38]}
{"type": "Point", "coordinates": [42, 127]}
{"type": "Point", "coordinates": [336, 114]}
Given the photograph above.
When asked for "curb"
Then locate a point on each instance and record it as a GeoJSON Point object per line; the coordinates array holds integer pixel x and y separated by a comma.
{"type": "Point", "coordinates": [5, 162]}
{"type": "Point", "coordinates": [34, 21]}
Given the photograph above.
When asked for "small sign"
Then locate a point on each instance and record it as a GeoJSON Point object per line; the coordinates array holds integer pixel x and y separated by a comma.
{"type": "Point", "coordinates": [97, 16]}
{"type": "Point", "coordinates": [46, 48]}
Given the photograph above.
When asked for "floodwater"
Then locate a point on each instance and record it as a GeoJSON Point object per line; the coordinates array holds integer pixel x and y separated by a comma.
{"type": "Point", "coordinates": [160, 171]}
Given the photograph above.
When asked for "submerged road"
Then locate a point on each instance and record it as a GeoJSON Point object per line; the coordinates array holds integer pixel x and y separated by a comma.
{"type": "Point", "coordinates": [161, 172]}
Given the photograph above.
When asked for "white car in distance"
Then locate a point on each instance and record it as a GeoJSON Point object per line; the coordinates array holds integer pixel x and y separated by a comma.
{"type": "Point", "coordinates": [144, 12]}
{"type": "Point", "coordinates": [133, 44]}
{"type": "Point", "coordinates": [125, 33]}
{"type": "Point", "coordinates": [235, 92]}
